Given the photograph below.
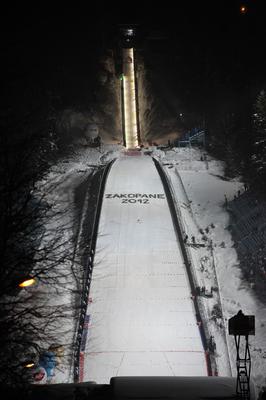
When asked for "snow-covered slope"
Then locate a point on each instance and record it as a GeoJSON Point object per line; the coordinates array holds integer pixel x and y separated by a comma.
{"type": "Point", "coordinates": [141, 316]}
{"type": "Point", "coordinates": [201, 199]}
{"type": "Point", "coordinates": [201, 196]}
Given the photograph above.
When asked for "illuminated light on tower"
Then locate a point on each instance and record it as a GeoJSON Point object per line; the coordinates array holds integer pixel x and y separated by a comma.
{"type": "Point", "coordinates": [130, 107]}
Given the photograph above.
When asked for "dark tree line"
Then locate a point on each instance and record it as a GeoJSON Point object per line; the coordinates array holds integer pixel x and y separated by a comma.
{"type": "Point", "coordinates": [237, 136]}
{"type": "Point", "coordinates": [258, 151]}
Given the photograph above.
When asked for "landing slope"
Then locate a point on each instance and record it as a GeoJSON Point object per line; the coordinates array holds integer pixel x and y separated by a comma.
{"type": "Point", "coordinates": [141, 317]}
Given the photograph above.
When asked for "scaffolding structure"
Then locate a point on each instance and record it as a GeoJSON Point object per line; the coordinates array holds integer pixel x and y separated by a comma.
{"type": "Point", "coordinates": [242, 326]}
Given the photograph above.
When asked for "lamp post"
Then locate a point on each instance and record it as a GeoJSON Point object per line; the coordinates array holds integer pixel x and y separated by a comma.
{"type": "Point", "coordinates": [27, 282]}
{"type": "Point", "coordinates": [29, 364]}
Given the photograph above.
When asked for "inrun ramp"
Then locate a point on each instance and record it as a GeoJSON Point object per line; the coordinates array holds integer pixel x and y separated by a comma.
{"type": "Point", "coordinates": [141, 318]}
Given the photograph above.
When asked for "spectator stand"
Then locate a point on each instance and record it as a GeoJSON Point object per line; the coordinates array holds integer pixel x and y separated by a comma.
{"type": "Point", "coordinates": [194, 137]}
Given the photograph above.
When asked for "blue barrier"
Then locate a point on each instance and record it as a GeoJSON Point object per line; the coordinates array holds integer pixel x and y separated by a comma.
{"type": "Point", "coordinates": [48, 362]}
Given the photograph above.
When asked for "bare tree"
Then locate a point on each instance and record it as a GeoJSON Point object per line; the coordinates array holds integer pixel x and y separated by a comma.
{"type": "Point", "coordinates": [34, 243]}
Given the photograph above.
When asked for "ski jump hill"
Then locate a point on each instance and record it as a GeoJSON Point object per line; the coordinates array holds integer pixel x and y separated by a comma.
{"type": "Point", "coordinates": [141, 319]}
{"type": "Point", "coordinates": [141, 335]}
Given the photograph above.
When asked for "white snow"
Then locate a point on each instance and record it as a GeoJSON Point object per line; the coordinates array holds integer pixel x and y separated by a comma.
{"type": "Point", "coordinates": [142, 318]}
{"type": "Point", "coordinates": [122, 272]}
{"type": "Point", "coordinates": [57, 189]}
{"type": "Point", "coordinates": [202, 203]}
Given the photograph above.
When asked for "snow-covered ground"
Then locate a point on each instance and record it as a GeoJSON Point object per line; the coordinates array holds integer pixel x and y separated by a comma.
{"type": "Point", "coordinates": [200, 192]}
{"type": "Point", "coordinates": [58, 291]}
{"type": "Point", "coordinates": [141, 316]}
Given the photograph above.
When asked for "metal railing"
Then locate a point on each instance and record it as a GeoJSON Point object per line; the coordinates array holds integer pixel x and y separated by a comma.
{"type": "Point", "coordinates": [88, 268]}
{"type": "Point", "coordinates": [187, 262]}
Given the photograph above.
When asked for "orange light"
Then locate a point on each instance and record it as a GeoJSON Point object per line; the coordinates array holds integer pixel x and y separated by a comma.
{"type": "Point", "coordinates": [28, 282]}
{"type": "Point", "coordinates": [30, 365]}
{"type": "Point", "coordinates": [243, 9]}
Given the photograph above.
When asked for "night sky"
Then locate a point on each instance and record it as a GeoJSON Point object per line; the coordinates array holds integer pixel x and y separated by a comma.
{"type": "Point", "coordinates": [40, 41]}
{"type": "Point", "coordinates": [52, 29]}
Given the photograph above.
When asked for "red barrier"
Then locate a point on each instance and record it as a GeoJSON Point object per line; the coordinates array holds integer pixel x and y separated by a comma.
{"type": "Point", "coordinates": [132, 153]}
{"type": "Point", "coordinates": [208, 363]}
{"type": "Point", "coordinates": [81, 366]}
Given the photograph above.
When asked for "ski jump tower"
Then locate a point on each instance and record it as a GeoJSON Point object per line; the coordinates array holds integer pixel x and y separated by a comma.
{"type": "Point", "coordinates": [129, 91]}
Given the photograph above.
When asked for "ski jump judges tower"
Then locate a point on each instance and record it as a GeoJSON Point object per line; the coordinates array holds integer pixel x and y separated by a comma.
{"type": "Point", "coordinates": [129, 90]}
{"type": "Point", "coordinates": [242, 325]}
